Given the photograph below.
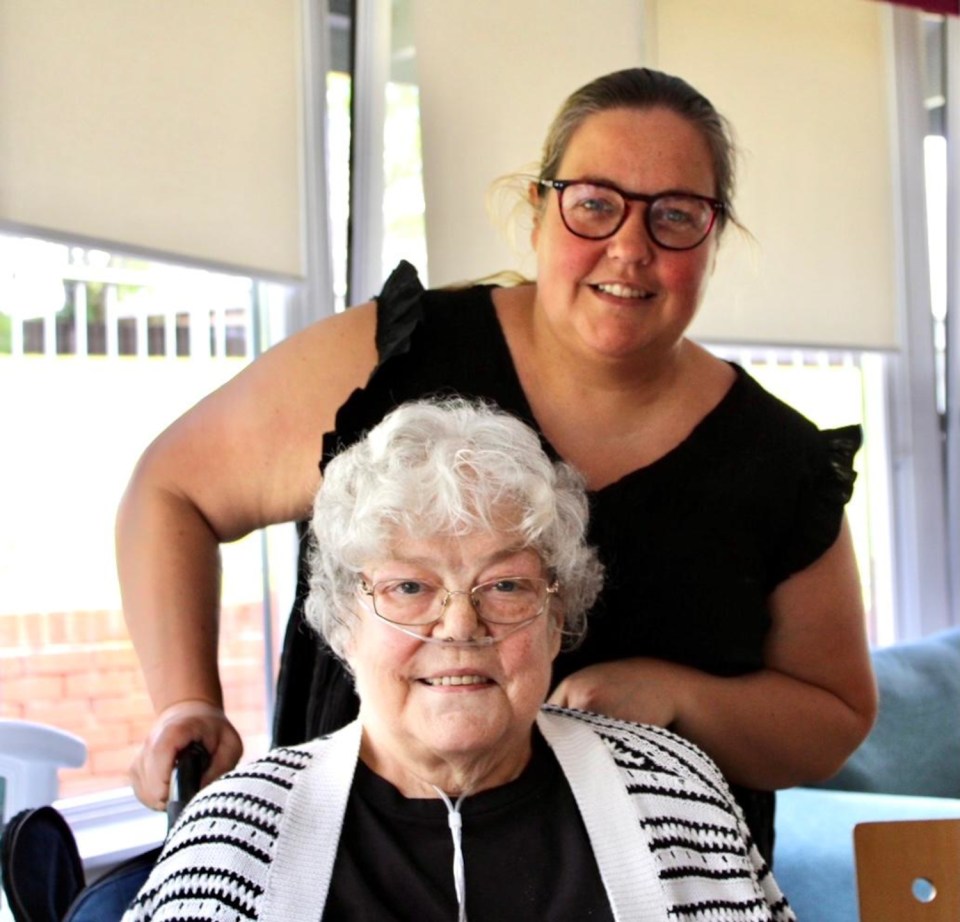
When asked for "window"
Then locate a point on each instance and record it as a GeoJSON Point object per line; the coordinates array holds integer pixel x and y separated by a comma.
{"type": "Point", "coordinates": [99, 352]}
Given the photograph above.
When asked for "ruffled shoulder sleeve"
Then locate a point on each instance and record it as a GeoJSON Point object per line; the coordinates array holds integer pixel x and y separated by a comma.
{"type": "Point", "coordinates": [399, 311]}
{"type": "Point", "coordinates": [841, 446]}
{"type": "Point", "coordinates": [825, 489]}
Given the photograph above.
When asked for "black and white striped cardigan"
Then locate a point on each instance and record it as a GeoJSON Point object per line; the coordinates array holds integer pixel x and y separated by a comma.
{"type": "Point", "coordinates": [670, 841]}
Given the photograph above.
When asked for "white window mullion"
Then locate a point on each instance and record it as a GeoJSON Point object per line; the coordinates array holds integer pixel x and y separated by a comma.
{"type": "Point", "coordinates": [372, 27]}
{"type": "Point", "coordinates": [952, 62]}
{"type": "Point", "coordinates": [918, 478]}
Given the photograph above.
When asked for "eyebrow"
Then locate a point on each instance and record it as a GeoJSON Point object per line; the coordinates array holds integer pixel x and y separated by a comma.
{"type": "Point", "coordinates": [609, 183]}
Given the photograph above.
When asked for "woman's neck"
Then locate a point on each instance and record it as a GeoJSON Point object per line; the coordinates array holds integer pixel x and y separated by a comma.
{"type": "Point", "coordinates": [637, 407]}
{"type": "Point", "coordinates": [419, 773]}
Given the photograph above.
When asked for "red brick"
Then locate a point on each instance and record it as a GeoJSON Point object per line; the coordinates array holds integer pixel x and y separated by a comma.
{"type": "Point", "coordinates": [67, 661]}
{"type": "Point", "coordinates": [10, 632]}
{"type": "Point", "coordinates": [103, 683]}
{"type": "Point", "coordinates": [116, 760]}
{"type": "Point", "coordinates": [91, 627]}
{"type": "Point", "coordinates": [138, 729]}
{"type": "Point", "coordinates": [101, 734]}
{"type": "Point", "coordinates": [58, 628]}
{"type": "Point", "coordinates": [113, 626]}
{"type": "Point", "coordinates": [32, 689]}
{"type": "Point", "coordinates": [114, 656]}
{"type": "Point", "coordinates": [65, 714]}
{"type": "Point", "coordinates": [116, 710]}
{"type": "Point", "coordinates": [90, 784]}
{"type": "Point", "coordinates": [33, 632]}
{"type": "Point", "coordinates": [11, 666]}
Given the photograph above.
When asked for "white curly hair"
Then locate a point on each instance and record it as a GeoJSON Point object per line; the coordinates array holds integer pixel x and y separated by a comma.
{"type": "Point", "coordinates": [446, 467]}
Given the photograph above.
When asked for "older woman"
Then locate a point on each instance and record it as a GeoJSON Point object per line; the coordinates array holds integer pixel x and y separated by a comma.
{"type": "Point", "coordinates": [449, 567]}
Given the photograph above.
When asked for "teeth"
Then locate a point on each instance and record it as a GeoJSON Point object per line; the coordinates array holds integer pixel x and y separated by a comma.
{"type": "Point", "coordinates": [458, 680]}
{"type": "Point", "coordinates": [622, 291]}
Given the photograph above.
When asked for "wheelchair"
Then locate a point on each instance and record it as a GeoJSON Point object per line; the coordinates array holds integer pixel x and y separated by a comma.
{"type": "Point", "coordinates": [43, 877]}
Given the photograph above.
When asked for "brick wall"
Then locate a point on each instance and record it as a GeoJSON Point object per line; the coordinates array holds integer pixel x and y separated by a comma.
{"type": "Point", "coordinates": [78, 671]}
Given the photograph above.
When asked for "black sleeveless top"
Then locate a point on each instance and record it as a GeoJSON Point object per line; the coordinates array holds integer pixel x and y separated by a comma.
{"type": "Point", "coordinates": [693, 544]}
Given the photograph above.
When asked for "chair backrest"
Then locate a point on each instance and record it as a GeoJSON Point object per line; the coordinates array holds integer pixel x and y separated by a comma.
{"type": "Point", "coordinates": [914, 746]}
{"type": "Point", "coordinates": [908, 870]}
{"type": "Point", "coordinates": [30, 755]}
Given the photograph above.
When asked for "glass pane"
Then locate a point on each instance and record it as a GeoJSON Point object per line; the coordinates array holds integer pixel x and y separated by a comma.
{"type": "Point", "coordinates": [404, 225]}
{"type": "Point", "coordinates": [88, 380]}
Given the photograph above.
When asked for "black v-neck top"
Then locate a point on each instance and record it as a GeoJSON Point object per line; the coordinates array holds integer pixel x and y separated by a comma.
{"type": "Point", "coordinates": [692, 544]}
{"type": "Point", "coordinates": [395, 857]}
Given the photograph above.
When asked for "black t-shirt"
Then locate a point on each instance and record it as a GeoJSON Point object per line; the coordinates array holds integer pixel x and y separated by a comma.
{"type": "Point", "coordinates": [525, 848]}
{"type": "Point", "coordinates": [692, 545]}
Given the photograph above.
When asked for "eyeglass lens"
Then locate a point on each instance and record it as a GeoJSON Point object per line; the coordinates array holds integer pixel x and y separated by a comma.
{"type": "Point", "coordinates": [503, 601]}
{"type": "Point", "coordinates": [674, 221]}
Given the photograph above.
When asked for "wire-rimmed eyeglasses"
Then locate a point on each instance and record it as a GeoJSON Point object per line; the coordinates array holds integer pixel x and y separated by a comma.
{"type": "Point", "coordinates": [509, 600]}
{"type": "Point", "coordinates": [597, 210]}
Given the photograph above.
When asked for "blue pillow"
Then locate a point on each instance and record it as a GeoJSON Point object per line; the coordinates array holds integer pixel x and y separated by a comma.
{"type": "Point", "coordinates": [914, 747]}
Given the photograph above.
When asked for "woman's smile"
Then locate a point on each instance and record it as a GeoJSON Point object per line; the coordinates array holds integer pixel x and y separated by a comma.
{"type": "Point", "coordinates": [457, 681]}
{"type": "Point", "coordinates": [623, 291]}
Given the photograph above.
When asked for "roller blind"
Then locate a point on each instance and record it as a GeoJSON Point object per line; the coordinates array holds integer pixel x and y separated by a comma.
{"type": "Point", "coordinates": [805, 83]}
{"type": "Point", "coordinates": [164, 127]}
{"type": "Point", "coordinates": [492, 75]}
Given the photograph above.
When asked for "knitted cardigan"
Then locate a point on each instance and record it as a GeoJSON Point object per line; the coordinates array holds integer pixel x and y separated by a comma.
{"type": "Point", "coordinates": [669, 840]}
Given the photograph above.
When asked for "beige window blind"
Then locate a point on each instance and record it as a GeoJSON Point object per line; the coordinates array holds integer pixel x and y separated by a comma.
{"type": "Point", "coordinates": [806, 84]}
{"type": "Point", "coordinates": [166, 128]}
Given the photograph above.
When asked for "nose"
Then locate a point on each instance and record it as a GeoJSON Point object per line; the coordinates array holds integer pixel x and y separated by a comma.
{"type": "Point", "coordinates": [631, 242]}
{"type": "Point", "coordinates": [459, 620]}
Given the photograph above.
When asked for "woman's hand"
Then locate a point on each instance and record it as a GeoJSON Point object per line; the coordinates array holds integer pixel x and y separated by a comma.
{"type": "Point", "coordinates": [638, 689]}
{"type": "Point", "coordinates": [175, 728]}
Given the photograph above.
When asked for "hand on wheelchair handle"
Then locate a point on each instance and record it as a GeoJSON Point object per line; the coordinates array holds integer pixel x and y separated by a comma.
{"type": "Point", "coordinates": [192, 762]}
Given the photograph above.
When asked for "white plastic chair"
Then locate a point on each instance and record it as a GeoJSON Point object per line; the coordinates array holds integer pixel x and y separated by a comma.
{"type": "Point", "coordinates": [30, 755]}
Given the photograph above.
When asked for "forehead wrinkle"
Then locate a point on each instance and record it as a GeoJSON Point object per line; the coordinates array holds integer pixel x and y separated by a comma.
{"type": "Point", "coordinates": [428, 562]}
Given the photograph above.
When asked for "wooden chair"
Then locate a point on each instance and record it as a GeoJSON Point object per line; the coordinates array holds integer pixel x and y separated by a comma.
{"type": "Point", "coordinates": [908, 870]}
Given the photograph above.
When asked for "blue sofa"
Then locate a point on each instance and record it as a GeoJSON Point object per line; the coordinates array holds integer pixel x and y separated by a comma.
{"type": "Point", "coordinates": [907, 768]}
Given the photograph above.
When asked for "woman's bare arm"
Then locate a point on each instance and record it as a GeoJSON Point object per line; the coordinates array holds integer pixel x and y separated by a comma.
{"type": "Point", "coordinates": [245, 457]}
{"type": "Point", "coordinates": [793, 722]}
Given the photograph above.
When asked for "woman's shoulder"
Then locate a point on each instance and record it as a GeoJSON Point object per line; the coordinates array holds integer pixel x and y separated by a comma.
{"type": "Point", "coordinates": [404, 302]}
{"type": "Point", "coordinates": [751, 419]}
{"type": "Point", "coordinates": [432, 341]}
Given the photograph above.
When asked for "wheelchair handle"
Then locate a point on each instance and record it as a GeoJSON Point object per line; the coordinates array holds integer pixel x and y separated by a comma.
{"type": "Point", "coordinates": [191, 763]}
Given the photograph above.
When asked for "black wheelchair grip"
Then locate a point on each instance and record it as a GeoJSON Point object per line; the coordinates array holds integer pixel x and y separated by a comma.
{"type": "Point", "coordinates": [191, 763]}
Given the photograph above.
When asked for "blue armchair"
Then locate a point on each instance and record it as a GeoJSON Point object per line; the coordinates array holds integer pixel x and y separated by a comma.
{"type": "Point", "coordinates": [907, 768]}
